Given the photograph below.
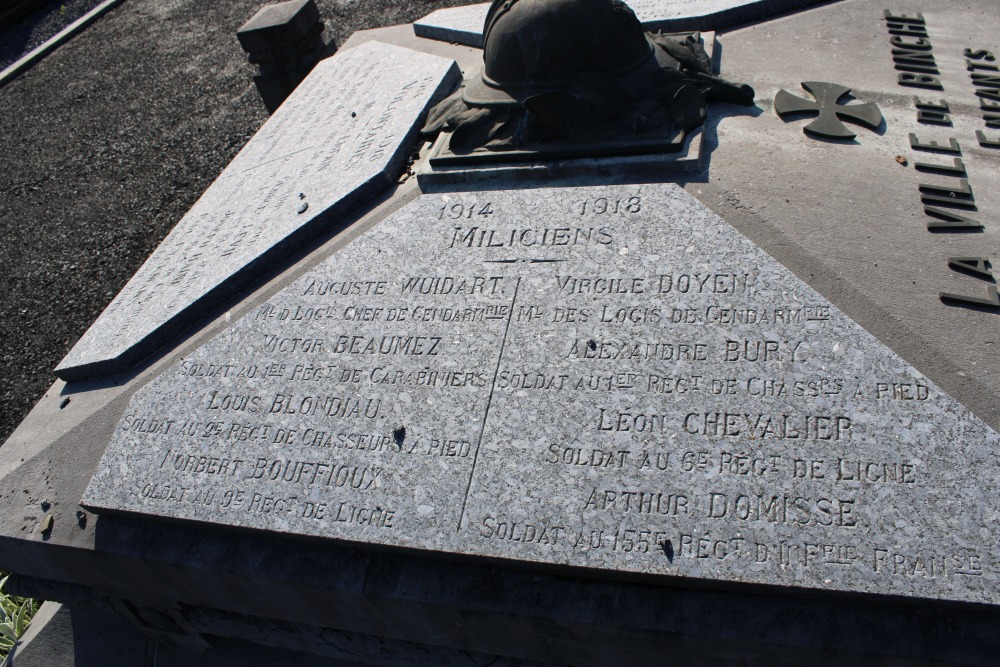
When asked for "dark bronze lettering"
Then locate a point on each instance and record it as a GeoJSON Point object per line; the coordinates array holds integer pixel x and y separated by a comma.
{"type": "Point", "coordinates": [992, 299]}
{"type": "Point", "coordinates": [902, 18]}
{"type": "Point", "coordinates": [934, 147]}
{"type": "Point", "coordinates": [940, 195]}
{"type": "Point", "coordinates": [984, 142]}
{"type": "Point", "coordinates": [957, 170]}
{"type": "Point", "coordinates": [932, 113]}
{"type": "Point", "coordinates": [919, 44]}
{"type": "Point", "coordinates": [950, 220]}
{"type": "Point", "coordinates": [915, 61]}
{"type": "Point", "coordinates": [978, 267]}
{"type": "Point", "coordinates": [985, 80]}
{"type": "Point", "coordinates": [907, 29]}
{"type": "Point", "coordinates": [926, 81]}
{"type": "Point", "coordinates": [980, 54]}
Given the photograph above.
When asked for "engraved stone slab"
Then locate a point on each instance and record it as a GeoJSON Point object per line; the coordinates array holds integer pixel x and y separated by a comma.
{"type": "Point", "coordinates": [341, 137]}
{"type": "Point", "coordinates": [608, 377]}
{"type": "Point", "coordinates": [464, 25]}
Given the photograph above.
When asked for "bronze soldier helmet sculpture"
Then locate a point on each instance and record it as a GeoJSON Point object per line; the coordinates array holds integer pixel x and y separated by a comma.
{"type": "Point", "coordinates": [578, 71]}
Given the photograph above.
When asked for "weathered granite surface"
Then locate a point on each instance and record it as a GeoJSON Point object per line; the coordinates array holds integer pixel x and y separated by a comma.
{"type": "Point", "coordinates": [338, 140]}
{"type": "Point", "coordinates": [607, 377]}
{"type": "Point", "coordinates": [464, 25]}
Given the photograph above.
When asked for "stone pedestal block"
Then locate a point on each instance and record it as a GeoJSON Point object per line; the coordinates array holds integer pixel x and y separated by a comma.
{"type": "Point", "coordinates": [286, 41]}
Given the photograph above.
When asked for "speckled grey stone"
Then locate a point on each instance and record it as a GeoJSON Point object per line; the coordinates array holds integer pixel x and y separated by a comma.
{"type": "Point", "coordinates": [464, 25]}
{"type": "Point", "coordinates": [607, 377]}
{"type": "Point", "coordinates": [341, 137]}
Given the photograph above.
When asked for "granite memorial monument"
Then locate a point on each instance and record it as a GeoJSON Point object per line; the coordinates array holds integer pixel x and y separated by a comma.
{"type": "Point", "coordinates": [551, 406]}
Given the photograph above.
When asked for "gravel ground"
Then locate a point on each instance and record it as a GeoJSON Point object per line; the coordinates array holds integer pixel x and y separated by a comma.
{"type": "Point", "coordinates": [104, 145]}
{"type": "Point", "coordinates": [35, 28]}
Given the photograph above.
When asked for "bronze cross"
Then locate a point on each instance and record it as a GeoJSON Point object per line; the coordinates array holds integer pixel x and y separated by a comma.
{"type": "Point", "coordinates": [828, 124]}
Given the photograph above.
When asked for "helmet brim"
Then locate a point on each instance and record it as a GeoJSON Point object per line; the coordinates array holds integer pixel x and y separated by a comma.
{"type": "Point", "coordinates": [480, 91]}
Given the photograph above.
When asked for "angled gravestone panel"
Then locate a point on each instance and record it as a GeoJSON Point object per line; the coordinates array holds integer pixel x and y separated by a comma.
{"type": "Point", "coordinates": [464, 25]}
{"type": "Point", "coordinates": [603, 377]}
{"type": "Point", "coordinates": [341, 137]}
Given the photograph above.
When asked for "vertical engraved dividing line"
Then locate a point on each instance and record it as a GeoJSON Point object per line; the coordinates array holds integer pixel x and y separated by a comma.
{"type": "Point", "coordinates": [489, 402]}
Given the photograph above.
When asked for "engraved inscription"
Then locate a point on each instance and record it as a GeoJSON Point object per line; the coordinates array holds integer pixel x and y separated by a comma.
{"type": "Point", "coordinates": [329, 144]}
{"type": "Point", "coordinates": [636, 404]}
{"type": "Point", "coordinates": [951, 205]}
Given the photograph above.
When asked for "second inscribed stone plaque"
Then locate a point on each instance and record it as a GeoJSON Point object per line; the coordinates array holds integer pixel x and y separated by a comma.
{"type": "Point", "coordinates": [340, 138]}
{"type": "Point", "coordinates": [607, 377]}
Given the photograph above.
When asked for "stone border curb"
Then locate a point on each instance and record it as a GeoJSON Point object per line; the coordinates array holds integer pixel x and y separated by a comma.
{"type": "Point", "coordinates": [52, 44]}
